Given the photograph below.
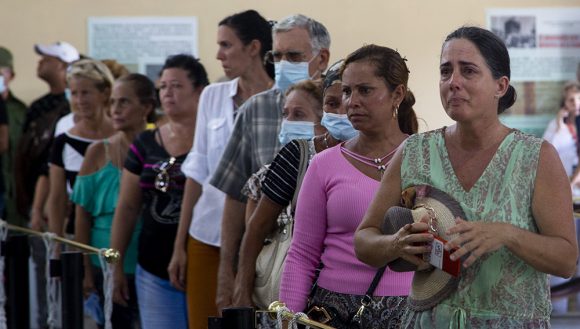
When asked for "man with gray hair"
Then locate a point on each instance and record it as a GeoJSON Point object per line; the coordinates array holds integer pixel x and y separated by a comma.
{"type": "Point", "coordinates": [300, 51]}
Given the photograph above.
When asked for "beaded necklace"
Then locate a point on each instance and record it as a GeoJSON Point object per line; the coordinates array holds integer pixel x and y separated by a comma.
{"type": "Point", "coordinates": [373, 162]}
{"type": "Point", "coordinates": [325, 140]}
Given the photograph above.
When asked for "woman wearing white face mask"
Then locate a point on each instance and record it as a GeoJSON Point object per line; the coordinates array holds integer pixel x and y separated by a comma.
{"type": "Point", "coordinates": [280, 184]}
{"type": "Point", "coordinates": [302, 113]}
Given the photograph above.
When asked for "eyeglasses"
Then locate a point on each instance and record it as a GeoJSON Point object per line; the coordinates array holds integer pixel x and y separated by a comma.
{"type": "Point", "coordinates": [162, 178]}
{"type": "Point", "coordinates": [291, 56]}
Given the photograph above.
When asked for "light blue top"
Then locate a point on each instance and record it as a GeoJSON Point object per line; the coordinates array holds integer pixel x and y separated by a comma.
{"type": "Point", "coordinates": [98, 193]}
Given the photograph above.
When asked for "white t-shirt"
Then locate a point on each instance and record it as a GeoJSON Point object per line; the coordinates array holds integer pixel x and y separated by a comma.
{"type": "Point", "coordinates": [565, 144]}
{"type": "Point", "coordinates": [64, 124]}
{"type": "Point", "coordinates": [215, 121]}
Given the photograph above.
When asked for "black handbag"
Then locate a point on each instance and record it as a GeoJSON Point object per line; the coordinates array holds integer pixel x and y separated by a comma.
{"type": "Point", "coordinates": [325, 314]}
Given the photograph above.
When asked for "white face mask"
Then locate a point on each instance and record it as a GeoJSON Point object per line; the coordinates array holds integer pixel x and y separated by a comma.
{"type": "Point", "coordinates": [338, 126]}
{"type": "Point", "coordinates": [287, 74]}
{"type": "Point", "coordinates": [2, 84]}
{"type": "Point", "coordinates": [291, 130]}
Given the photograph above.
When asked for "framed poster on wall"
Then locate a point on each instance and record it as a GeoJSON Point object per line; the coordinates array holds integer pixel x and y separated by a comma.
{"type": "Point", "coordinates": [544, 48]}
{"type": "Point", "coordinates": [142, 43]}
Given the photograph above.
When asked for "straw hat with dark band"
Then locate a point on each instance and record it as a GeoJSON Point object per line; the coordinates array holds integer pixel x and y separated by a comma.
{"type": "Point", "coordinates": [432, 285]}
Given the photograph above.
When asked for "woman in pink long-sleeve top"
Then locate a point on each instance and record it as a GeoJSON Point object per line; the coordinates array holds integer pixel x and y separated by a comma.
{"type": "Point", "coordinates": [337, 189]}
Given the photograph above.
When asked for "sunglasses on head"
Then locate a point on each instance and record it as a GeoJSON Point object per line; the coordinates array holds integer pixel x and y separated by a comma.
{"type": "Point", "coordinates": [162, 178]}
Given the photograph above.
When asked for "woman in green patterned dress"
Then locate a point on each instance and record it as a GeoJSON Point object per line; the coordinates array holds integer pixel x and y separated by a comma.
{"type": "Point", "coordinates": [512, 187]}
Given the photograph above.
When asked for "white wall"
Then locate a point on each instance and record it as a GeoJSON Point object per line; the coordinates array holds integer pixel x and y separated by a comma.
{"type": "Point", "coordinates": [415, 27]}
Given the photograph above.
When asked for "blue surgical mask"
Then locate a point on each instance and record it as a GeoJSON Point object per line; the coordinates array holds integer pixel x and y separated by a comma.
{"type": "Point", "coordinates": [291, 130]}
{"type": "Point", "coordinates": [288, 73]}
{"type": "Point", "coordinates": [2, 84]}
{"type": "Point", "coordinates": [339, 126]}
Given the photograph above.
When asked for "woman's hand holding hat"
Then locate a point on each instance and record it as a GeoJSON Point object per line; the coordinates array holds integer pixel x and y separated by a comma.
{"type": "Point", "coordinates": [412, 241]}
{"type": "Point", "coordinates": [476, 239]}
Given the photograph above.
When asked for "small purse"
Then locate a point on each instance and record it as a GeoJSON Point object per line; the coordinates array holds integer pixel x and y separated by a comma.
{"type": "Point", "coordinates": [325, 315]}
{"type": "Point", "coordinates": [270, 261]}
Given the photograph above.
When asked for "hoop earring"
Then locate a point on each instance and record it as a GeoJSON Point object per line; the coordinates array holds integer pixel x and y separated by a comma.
{"type": "Point", "coordinates": [396, 112]}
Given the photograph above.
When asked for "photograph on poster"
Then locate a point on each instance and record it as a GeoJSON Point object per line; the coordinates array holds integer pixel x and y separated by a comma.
{"type": "Point", "coordinates": [516, 31]}
{"type": "Point", "coordinates": [544, 48]}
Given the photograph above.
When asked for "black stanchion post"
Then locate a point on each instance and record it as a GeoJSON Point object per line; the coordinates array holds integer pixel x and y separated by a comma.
{"type": "Point", "coordinates": [72, 289]}
{"type": "Point", "coordinates": [239, 318]}
{"type": "Point", "coordinates": [17, 290]}
{"type": "Point", "coordinates": [213, 322]}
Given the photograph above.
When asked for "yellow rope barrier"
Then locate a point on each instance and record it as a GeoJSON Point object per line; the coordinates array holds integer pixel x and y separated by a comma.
{"type": "Point", "coordinates": [111, 255]}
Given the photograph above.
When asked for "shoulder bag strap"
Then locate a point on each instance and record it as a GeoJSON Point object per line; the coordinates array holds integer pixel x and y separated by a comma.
{"type": "Point", "coordinates": [303, 146]}
{"type": "Point", "coordinates": [375, 282]}
{"type": "Point", "coordinates": [366, 300]}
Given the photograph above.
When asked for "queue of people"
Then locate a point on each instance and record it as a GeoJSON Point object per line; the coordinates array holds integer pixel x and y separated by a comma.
{"type": "Point", "coordinates": [191, 204]}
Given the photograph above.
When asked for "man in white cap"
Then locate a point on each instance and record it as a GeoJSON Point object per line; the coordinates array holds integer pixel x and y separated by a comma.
{"type": "Point", "coordinates": [38, 129]}
{"type": "Point", "coordinates": [31, 160]}
{"type": "Point", "coordinates": [60, 50]}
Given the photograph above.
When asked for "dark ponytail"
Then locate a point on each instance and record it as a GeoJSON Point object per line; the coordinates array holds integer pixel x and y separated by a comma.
{"type": "Point", "coordinates": [406, 117]}
{"type": "Point", "coordinates": [144, 89]}
{"type": "Point", "coordinates": [391, 67]}
{"type": "Point", "coordinates": [250, 25]}
{"type": "Point", "coordinates": [507, 100]}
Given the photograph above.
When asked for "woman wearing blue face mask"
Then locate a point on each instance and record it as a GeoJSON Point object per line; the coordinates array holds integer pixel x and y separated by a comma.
{"type": "Point", "coordinates": [334, 118]}
{"type": "Point", "coordinates": [278, 188]}
{"type": "Point", "coordinates": [302, 112]}
{"type": "Point", "coordinates": [336, 122]}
